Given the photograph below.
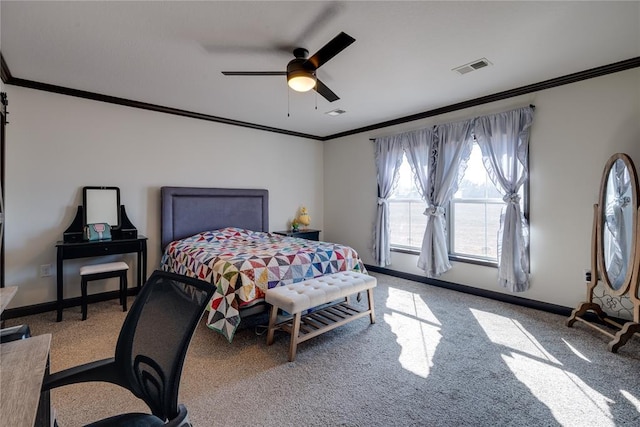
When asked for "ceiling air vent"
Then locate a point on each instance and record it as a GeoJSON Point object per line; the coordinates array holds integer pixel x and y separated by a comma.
{"type": "Point", "coordinates": [335, 112]}
{"type": "Point", "coordinates": [472, 66]}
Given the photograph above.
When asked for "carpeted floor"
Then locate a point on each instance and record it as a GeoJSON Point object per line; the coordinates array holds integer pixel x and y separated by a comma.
{"type": "Point", "coordinates": [435, 357]}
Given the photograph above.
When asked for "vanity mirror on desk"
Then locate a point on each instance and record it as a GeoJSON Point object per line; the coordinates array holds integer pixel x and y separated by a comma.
{"type": "Point", "coordinates": [100, 205]}
{"type": "Point", "coordinates": [615, 251]}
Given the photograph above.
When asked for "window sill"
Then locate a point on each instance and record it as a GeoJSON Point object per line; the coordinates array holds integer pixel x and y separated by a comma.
{"type": "Point", "coordinates": [406, 251]}
{"type": "Point", "coordinates": [456, 258]}
{"type": "Point", "coordinates": [484, 263]}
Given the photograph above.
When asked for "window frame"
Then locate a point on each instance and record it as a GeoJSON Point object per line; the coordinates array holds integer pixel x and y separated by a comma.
{"type": "Point", "coordinates": [408, 201]}
{"type": "Point", "coordinates": [450, 216]}
{"type": "Point", "coordinates": [403, 248]}
{"type": "Point", "coordinates": [450, 235]}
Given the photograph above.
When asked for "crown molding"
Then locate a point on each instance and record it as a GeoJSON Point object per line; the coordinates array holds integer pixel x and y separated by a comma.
{"type": "Point", "coordinates": [523, 90]}
{"type": "Point", "coordinates": [9, 79]}
{"type": "Point", "coordinates": [615, 67]}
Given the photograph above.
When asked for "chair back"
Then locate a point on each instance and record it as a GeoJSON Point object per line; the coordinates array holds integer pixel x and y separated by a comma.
{"type": "Point", "coordinates": [155, 337]}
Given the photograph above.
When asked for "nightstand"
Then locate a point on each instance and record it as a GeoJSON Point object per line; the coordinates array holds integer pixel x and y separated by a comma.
{"type": "Point", "coordinates": [308, 234]}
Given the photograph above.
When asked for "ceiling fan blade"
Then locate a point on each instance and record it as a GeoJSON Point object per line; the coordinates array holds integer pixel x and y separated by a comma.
{"type": "Point", "coordinates": [280, 49]}
{"type": "Point", "coordinates": [327, 93]}
{"type": "Point", "coordinates": [328, 12]}
{"type": "Point", "coordinates": [331, 49]}
{"type": "Point", "coordinates": [254, 73]}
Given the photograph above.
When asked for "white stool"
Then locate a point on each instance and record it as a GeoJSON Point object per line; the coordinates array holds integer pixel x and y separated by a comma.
{"type": "Point", "coordinates": [104, 271]}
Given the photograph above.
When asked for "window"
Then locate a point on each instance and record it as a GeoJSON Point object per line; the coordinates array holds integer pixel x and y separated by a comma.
{"type": "Point", "coordinates": [473, 215]}
{"type": "Point", "coordinates": [406, 207]}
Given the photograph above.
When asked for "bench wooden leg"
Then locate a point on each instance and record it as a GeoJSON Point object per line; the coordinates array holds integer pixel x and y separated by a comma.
{"type": "Point", "coordinates": [295, 331]}
{"type": "Point", "coordinates": [372, 315]}
{"type": "Point", "coordinates": [272, 324]}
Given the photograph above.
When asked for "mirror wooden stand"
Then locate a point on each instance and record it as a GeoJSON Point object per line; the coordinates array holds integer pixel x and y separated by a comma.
{"type": "Point", "coordinates": [615, 251]}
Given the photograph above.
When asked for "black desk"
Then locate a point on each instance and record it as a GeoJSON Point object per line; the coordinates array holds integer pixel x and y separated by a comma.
{"type": "Point", "coordinates": [85, 249]}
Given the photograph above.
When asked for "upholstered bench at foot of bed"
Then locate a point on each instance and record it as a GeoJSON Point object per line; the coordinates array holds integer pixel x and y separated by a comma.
{"type": "Point", "coordinates": [298, 297]}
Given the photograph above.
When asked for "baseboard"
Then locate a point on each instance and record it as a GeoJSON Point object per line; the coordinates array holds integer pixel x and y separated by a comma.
{"type": "Point", "coordinates": [45, 307]}
{"type": "Point", "coordinates": [525, 302]}
{"type": "Point", "coordinates": [511, 299]}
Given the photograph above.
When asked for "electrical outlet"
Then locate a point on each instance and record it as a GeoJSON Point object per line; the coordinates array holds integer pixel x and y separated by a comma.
{"type": "Point", "coordinates": [45, 270]}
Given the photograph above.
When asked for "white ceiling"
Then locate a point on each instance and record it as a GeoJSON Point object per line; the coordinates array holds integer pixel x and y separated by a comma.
{"type": "Point", "coordinates": [171, 53]}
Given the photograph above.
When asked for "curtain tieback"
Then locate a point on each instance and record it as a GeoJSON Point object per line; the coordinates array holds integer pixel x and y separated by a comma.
{"type": "Point", "coordinates": [512, 198]}
{"type": "Point", "coordinates": [382, 201]}
{"type": "Point", "coordinates": [623, 201]}
{"type": "Point", "coordinates": [434, 211]}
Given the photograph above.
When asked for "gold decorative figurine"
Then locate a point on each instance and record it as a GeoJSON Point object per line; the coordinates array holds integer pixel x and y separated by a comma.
{"type": "Point", "coordinates": [303, 217]}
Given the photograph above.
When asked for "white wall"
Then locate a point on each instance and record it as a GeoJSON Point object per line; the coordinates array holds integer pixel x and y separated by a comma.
{"type": "Point", "coordinates": [57, 144]}
{"type": "Point", "coordinates": [576, 128]}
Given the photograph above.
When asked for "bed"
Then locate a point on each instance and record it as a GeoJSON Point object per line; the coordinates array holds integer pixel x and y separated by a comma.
{"type": "Point", "coordinates": [221, 235]}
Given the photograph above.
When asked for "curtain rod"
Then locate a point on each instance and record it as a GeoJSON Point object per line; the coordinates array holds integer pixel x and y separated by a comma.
{"type": "Point", "coordinates": [533, 107]}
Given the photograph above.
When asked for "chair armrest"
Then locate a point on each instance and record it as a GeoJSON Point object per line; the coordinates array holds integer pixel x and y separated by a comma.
{"type": "Point", "coordinates": [100, 370]}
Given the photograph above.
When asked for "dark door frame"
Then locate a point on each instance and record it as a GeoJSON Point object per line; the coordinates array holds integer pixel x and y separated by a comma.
{"type": "Point", "coordinates": [3, 122]}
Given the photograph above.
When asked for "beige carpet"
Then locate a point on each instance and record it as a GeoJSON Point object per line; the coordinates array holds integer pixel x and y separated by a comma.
{"type": "Point", "coordinates": [435, 357]}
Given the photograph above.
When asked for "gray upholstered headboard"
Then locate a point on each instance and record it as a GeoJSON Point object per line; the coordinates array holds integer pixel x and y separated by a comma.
{"type": "Point", "coordinates": [187, 211]}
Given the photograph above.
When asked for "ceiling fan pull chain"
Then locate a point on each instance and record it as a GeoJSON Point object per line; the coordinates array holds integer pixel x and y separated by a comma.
{"type": "Point", "coordinates": [288, 103]}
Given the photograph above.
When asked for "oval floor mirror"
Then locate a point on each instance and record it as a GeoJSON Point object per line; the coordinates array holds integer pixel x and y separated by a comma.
{"type": "Point", "coordinates": [615, 251]}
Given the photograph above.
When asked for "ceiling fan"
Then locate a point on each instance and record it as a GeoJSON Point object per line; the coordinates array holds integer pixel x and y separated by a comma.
{"type": "Point", "coordinates": [301, 71]}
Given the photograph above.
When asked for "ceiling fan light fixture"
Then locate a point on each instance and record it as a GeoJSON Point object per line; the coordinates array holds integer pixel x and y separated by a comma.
{"type": "Point", "coordinates": [301, 81]}
{"type": "Point", "coordinates": [299, 76]}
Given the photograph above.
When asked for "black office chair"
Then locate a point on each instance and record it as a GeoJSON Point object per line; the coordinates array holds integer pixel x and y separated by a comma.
{"type": "Point", "coordinates": [150, 351]}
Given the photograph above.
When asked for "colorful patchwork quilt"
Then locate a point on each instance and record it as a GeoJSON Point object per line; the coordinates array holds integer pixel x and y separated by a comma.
{"type": "Point", "coordinates": [243, 264]}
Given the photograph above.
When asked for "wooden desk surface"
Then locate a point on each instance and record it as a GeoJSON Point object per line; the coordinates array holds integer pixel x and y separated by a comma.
{"type": "Point", "coordinates": [6, 295]}
{"type": "Point", "coordinates": [22, 368]}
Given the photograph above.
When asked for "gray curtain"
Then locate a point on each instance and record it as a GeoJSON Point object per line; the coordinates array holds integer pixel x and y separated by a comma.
{"type": "Point", "coordinates": [448, 152]}
{"type": "Point", "coordinates": [504, 141]}
{"type": "Point", "coordinates": [388, 160]}
{"type": "Point", "coordinates": [418, 149]}
{"type": "Point", "coordinates": [417, 146]}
